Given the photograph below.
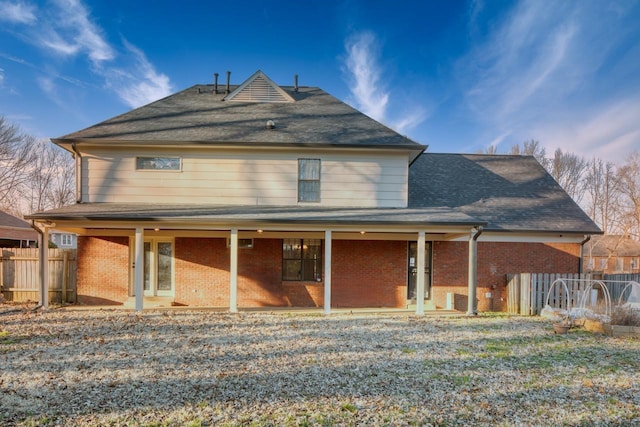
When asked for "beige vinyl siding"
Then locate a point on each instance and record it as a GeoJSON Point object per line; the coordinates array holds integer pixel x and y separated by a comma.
{"type": "Point", "coordinates": [258, 177]}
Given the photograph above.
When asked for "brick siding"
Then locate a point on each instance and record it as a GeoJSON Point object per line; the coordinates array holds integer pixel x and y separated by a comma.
{"type": "Point", "coordinates": [495, 261]}
{"type": "Point", "coordinates": [365, 273]}
{"type": "Point", "coordinates": [103, 270]}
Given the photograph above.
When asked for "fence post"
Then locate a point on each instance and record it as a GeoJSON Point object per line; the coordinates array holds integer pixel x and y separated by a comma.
{"type": "Point", "coordinates": [65, 276]}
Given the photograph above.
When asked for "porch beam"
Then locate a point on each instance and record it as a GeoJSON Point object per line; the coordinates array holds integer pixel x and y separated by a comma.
{"type": "Point", "coordinates": [233, 270]}
{"type": "Point", "coordinates": [420, 274]}
{"type": "Point", "coordinates": [472, 309]}
{"type": "Point", "coordinates": [327, 271]}
{"type": "Point", "coordinates": [139, 268]}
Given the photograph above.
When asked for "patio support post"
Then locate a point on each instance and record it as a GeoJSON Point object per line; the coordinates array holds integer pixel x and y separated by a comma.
{"type": "Point", "coordinates": [44, 268]}
{"type": "Point", "coordinates": [420, 274]}
{"type": "Point", "coordinates": [233, 269]}
{"type": "Point", "coordinates": [472, 309]}
{"type": "Point", "coordinates": [327, 272]}
{"type": "Point", "coordinates": [139, 267]}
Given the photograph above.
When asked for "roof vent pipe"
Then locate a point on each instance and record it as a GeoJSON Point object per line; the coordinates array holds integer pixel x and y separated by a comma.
{"type": "Point", "coordinates": [295, 86]}
{"type": "Point", "coordinates": [228, 83]}
{"type": "Point", "coordinates": [215, 83]}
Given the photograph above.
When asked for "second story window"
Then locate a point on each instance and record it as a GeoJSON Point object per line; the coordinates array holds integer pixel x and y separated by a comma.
{"type": "Point", "coordinates": [308, 180]}
{"type": "Point", "coordinates": [158, 163]}
{"type": "Point", "coordinates": [66, 240]}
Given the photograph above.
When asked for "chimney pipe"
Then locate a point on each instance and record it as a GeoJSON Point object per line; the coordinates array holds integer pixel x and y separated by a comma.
{"type": "Point", "coordinates": [228, 82]}
{"type": "Point", "coordinates": [215, 83]}
{"type": "Point", "coordinates": [295, 79]}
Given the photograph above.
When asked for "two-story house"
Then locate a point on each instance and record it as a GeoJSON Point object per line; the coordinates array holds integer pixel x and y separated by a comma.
{"type": "Point", "coordinates": [264, 195]}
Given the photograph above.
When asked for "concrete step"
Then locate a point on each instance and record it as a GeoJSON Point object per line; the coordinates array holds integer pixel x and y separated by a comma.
{"type": "Point", "coordinates": [150, 302]}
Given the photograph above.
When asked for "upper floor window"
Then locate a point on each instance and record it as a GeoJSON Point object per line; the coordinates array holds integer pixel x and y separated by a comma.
{"type": "Point", "coordinates": [66, 240]}
{"type": "Point", "coordinates": [158, 163]}
{"type": "Point", "coordinates": [308, 180]}
{"type": "Point", "coordinates": [619, 264]}
{"type": "Point", "coordinates": [634, 264]}
{"type": "Point", "coordinates": [603, 263]}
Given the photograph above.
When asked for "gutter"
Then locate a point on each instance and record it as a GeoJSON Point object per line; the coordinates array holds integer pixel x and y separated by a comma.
{"type": "Point", "coordinates": [78, 159]}
{"type": "Point", "coordinates": [581, 260]}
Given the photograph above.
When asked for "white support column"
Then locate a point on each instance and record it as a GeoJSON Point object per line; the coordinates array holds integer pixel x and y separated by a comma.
{"type": "Point", "coordinates": [233, 270]}
{"type": "Point", "coordinates": [472, 308]}
{"type": "Point", "coordinates": [420, 274]}
{"type": "Point", "coordinates": [44, 268]}
{"type": "Point", "coordinates": [139, 268]}
{"type": "Point", "coordinates": [327, 272]}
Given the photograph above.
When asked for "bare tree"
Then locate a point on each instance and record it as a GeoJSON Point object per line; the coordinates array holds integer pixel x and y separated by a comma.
{"type": "Point", "coordinates": [568, 170]}
{"type": "Point", "coordinates": [629, 185]}
{"type": "Point", "coordinates": [602, 201]}
{"type": "Point", "coordinates": [51, 178]}
{"type": "Point", "coordinates": [531, 148]}
{"type": "Point", "coordinates": [16, 154]}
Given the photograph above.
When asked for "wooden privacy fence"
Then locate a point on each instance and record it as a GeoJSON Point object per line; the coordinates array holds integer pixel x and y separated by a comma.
{"type": "Point", "coordinates": [527, 292]}
{"type": "Point", "coordinates": [20, 275]}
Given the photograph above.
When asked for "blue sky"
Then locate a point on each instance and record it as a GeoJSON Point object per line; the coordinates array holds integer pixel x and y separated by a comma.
{"type": "Point", "coordinates": [455, 75]}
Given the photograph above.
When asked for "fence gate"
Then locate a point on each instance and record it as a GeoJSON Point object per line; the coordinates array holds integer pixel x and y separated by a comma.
{"type": "Point", "coordinates": [20, 275]}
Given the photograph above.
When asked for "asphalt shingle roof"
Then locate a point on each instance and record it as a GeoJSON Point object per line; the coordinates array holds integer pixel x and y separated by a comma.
{"type": "Point", "coordinates": [197, 115]}
{"type": "Point", "coordinates": [511, 193]}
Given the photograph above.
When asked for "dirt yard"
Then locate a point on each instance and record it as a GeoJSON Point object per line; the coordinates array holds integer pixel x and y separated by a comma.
{"type": "Point", "coordinates": [194, 368]}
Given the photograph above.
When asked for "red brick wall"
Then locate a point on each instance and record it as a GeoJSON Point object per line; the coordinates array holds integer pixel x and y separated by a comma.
{"type": "Point", "coordinates": [365, 273]}
{"type": "Point", "coordinates": [103, 270]}
{"type": "Point", "coordinates": [201, 272]}
{"type": "Point", "coordinates": [369, 273]}
{"type": "Point", "coordinates": [495, 261]}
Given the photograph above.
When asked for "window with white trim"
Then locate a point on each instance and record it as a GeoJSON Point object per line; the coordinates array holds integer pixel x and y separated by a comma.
{"type": "Point", "coordinates": [308, 180]}
{"type": "Point", "coordinates": [158, 163]}
{"type": "Point", "coordinates": [603, 263]}
{"type": "Point", "coordinates": [66, 240]}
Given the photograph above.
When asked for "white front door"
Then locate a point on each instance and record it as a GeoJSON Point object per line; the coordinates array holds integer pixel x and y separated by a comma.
{"type": "Point", "coordinates": [158, 267]}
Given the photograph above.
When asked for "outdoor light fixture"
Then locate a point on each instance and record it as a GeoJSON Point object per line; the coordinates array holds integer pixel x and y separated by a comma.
{"type": "Point", "coordinates": [259, 231]}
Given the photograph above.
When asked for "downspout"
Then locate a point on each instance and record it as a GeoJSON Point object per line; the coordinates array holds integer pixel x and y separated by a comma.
{"type": "Point", "coordinates": [472, 309]}
{"type": "Point", "coordinates": [581, 260]}
{"type": "Point", "coordinates": [78, 159]}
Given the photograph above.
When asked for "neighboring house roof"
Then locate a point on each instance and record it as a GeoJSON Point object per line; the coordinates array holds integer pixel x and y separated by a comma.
{"type": "Point", "coordinates": [612, 245]}
{"type": "Point", "coordinates": [199, 116]}
{"type": "Point", "coordinates": [12, 228]}
{"type": "Point", "coordinates": [510, 193]}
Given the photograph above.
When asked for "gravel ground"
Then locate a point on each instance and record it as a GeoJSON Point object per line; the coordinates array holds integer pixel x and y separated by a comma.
{"type": "Point", "coordinates": [195, 368]}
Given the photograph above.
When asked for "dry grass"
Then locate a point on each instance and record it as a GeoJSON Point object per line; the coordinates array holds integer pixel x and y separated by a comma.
{"type": "Point", "coordinates": [203, 368]}
{"type": "Point", "coordinates": [625, 316]}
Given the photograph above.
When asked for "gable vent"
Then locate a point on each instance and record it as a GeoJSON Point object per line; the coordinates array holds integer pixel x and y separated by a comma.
{"type": "Point", "coordinates": [259, 88]}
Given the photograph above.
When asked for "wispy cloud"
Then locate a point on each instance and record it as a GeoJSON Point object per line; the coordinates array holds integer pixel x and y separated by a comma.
{"type": "Point", "coordinates": [17, 12]}
{"type": "Point", "coordinates": [540, 70]}
{"type": "Point", "coordinates": [139, 83]}
{"type": "Point", "coordinates": [66, 30]}
{"type": "Point", "coordinates": [364, 71]}
{"type": "Point", "coordinates": [369, 92]}
{"type": "Point", "coordinates": [71, 31]}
